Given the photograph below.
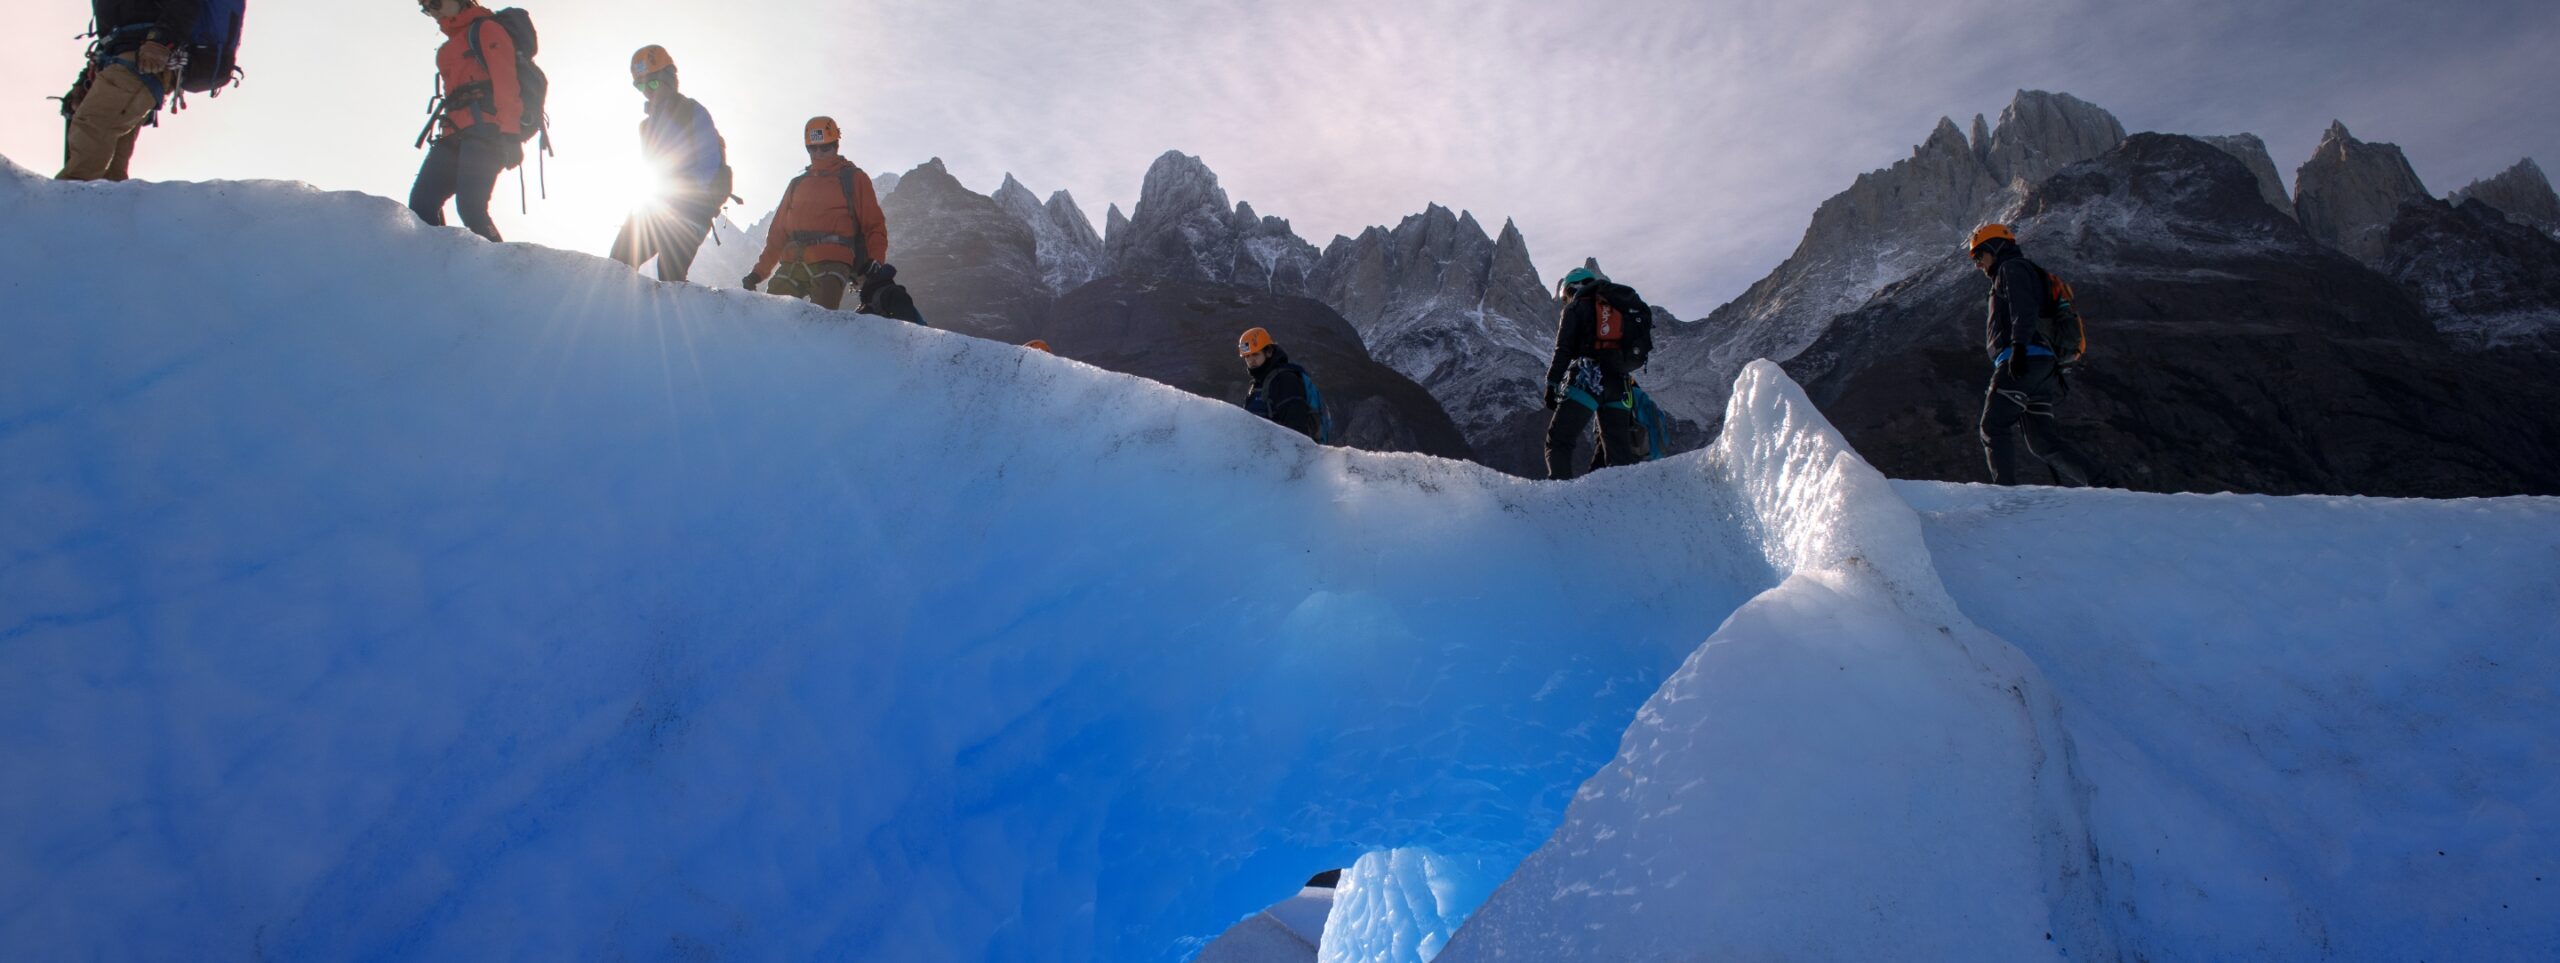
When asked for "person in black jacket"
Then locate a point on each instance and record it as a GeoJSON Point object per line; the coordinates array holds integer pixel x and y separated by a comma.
{"type": "Point", "coordinates": [1587, 375]}
{"type": "Point", "coordinates": [1280, 387]}
{"type": "Point", "coordinates": [2026, 377]}
{"type": "Point", "coordinates": [882, 296]}
{"type": "Point", "coordinates": [128, 75]}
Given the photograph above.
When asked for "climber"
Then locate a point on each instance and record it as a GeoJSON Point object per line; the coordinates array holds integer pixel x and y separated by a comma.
{"type": "Point", "coordinates": [828, 229]}
{"type": "Point", "coordinates": [678, 140]}
{"type": "Point", "coordinates": [2026, 376]}
{"type": "Point", "coordinates": [482, 114]}
{"type": "Point", "coordinates": [1282, 391]}
{"type": "Point", "coordinates": [145, 51]}
{"type": "Point", "coordinates": [1598, 342]}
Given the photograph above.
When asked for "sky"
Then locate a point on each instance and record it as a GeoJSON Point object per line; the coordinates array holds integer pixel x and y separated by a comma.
{"type": "Point", "coordinates": [1684, 143]}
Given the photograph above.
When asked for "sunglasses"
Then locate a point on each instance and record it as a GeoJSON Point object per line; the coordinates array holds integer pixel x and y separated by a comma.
{"type": "Point", "coordinates": [649, 83]}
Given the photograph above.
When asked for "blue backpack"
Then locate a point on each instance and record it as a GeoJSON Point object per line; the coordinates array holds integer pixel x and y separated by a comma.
{"type": "Point", "coordinates": [1657, 428]}
{"type": "Point", "coordinates": [1324, 415]}
{"type": "Point", "coordinates": [213, 53]}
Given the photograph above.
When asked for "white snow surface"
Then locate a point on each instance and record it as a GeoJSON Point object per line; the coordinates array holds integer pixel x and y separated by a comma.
{"type": "Point", "coordinates": [372, 592]}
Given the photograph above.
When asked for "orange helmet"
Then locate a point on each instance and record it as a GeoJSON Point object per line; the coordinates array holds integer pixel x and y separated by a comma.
{"type": "Point", "coordinates": [1252, 340]}
{"type": "Point", "coordinates": [822, 131]}
{"type": "Point", "coordinates": [1038, 345]}
{"type": "Point", "coordinates": [650, 60]}
{"type": "Point", "coordinates": [1989, 233]}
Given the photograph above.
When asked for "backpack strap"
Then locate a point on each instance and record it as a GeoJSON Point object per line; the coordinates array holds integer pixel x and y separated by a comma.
{"type": "Point", "coordinates": [853, 212]}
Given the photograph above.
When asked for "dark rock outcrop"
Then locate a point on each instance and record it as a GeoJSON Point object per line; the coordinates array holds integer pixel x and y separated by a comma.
{"type": "Point", "coordinates": [971, 266]}
{"type": "Point", "coordinates": [1183, 333]}
{"type": "Point", "coordinates": [2487, 281]}
{"type": "Point", "coordinates": [2521, 193]}
{"type": "Point", "coordinates": [2253, 152]}
{"type": "Point", "coordinates": [2350, 191]}
{"type": "Point", "coordinates": [2231, 352]}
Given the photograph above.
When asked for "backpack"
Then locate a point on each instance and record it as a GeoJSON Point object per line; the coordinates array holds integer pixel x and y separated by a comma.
{"type": "Point", "coordinates": [532, 85]}
{"type": "Point", "coordinates": [1622, 322]}
{"type": "Point", "coordinates": [1315, 402]}
{"type": "Point", "coordinates": [213, 52]}
{"type": "Point", "coordinates": [1649, 416]}
{"type": "Point", "coordinates": [2061, 325]}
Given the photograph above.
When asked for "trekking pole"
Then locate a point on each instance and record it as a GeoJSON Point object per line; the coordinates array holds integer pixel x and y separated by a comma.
{"type": "Point", "coordinates": [523, 205]}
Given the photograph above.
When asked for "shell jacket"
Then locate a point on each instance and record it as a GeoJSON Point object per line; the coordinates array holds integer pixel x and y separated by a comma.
{"type": "Point", "coordinates": [2018, 299]}
{"type": "Point", "coordinates": [817, 222]}
{"type": "Point", "coordinates": [498, 101]}
{"type": "Point", "coordinates": [1280, 394]}
{"type": "Point", "coordinates": [170, 22]}
{"type": "Point", "coordinates": [683, 139]}
{"type": "Point", "coordinates": [1575, 338]}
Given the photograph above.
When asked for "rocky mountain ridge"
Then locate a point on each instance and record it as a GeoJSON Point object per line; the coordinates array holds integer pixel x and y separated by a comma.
{"type": "Point", "coordinates": [1888, 223]}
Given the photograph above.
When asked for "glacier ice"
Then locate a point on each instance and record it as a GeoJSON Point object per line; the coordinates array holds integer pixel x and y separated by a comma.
{"type": "Point", "coordinates": [368, 591]}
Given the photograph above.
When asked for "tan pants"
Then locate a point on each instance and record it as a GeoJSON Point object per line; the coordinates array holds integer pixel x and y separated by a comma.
{"type": "Point", "coordinates": [98, 142]}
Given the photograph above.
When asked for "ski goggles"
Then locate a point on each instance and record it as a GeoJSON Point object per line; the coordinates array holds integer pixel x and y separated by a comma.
{"type": "Point", "coordinates": [651, 83]}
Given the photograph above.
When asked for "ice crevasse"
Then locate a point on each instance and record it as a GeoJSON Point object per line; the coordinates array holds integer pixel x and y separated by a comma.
{"type": "Point", "coordinates": [372, 592]}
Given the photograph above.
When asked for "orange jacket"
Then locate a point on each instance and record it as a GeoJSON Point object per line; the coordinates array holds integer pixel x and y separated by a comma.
{"type": "Point", "coordinates": [816, 219]}
{"type": "Point", "coordinates": [503, 102]}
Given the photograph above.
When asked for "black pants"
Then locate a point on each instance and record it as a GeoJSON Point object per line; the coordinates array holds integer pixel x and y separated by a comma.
{"type": "Point", "coordinates": [1618, 434]}
{"type": "Point", "coordinates": [672, 234]}
{"type": "Point", "coordinates": [2027, 399]}
{"type": "Point", "coordinates": [464, 168]}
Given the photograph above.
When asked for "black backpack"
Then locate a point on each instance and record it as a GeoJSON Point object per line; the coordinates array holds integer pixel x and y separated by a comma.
{"type": "Point", "coordinates": [1621, 321]}
{"type": "Point", "coordinates": [213, 53]}
{"type": "Point", "coordinates": [532, 85]}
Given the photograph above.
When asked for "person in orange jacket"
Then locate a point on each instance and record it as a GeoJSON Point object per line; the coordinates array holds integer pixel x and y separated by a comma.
{"type": "Point", "coordinates": [483, 112]}
{"type": "Point", "coordinates": [828, 229]}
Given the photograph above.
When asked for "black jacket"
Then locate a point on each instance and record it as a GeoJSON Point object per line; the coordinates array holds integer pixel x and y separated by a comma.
{"type": "Point", "coordinates": [882, 296]}
{"type": "Point", "coordinates": [2017, 301]}
{"type": "Point", "coordinates": [1574, 334]}
{"type": "Point", "coordinates": [172, 22]}
{"type": "Point", "coordinates": [1283, 398]}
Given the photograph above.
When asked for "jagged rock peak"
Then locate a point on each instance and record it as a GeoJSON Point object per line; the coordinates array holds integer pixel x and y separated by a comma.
{"type": "Point", "coordinates": [2040, 133]}
{"type": "Point", "coordinates": [2350, 191]}
{"type": "Point", "coordinates": [1981, 138]}
{"type": "Point", "coordinates": [1113, 222]}
{"type": "Point", "coordinates": [2522, 193]}
{"type": "Point", "coordinates": [2253, 152]}
{"type": "Point", "coordinates": [1947, 138]}
{"type": "Point", "coordinates": [1179, 183]}
{"type": "Point", "coordinates": [884, 184]}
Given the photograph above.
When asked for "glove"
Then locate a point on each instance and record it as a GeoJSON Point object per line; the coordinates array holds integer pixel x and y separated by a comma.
{"type": "Point", "coordinates": [1548, 398]}
{"type": "Point", "coordinates": [751, 281]}
{"type": "Point", "coordinates": [151, 58]}
{"type": "Point", "coordinates": [2017, 364]}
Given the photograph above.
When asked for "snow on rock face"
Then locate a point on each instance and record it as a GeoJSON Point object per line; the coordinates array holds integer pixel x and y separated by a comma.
{"type": "Point", "coordinates": [1889, 224]}
{"type": "Point", "coordinates": [411, 597]}
{"type": "Point", "coordinates": [1184, 230]}
{"type": "Point", "coordinates": [2253, 152]}
{"type": "Point", "coordinates": [2522, 193]}
{"type": "Point", "coordinates": [1070, 252]}
{"type": "Point", "coordinates": [2350, 191]}
{"type": "Point", "coordinates": [1461, 313]}
{"type": "Point", "coordinates": [2487, 279]}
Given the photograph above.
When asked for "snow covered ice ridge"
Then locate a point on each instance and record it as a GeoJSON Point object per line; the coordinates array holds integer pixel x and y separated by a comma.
{"type": "Point", "coordinates": [372, 592]}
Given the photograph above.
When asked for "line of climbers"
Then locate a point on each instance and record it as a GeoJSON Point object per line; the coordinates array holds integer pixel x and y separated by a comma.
{"type": "Point", "coordinates": [828, 232]}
